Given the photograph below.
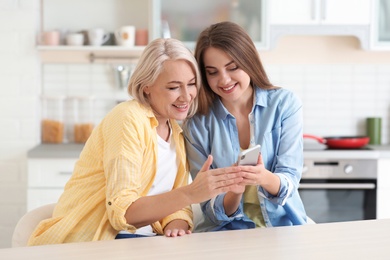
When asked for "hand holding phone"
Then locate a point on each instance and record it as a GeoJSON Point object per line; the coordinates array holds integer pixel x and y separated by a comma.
{"type": "Point", "coordinates": [249, 156]}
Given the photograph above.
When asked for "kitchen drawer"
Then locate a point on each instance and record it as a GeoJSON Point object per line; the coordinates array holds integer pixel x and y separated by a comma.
{"type": "Point", "coordinates": [40, 197]}
{"type": "Point", "coordinates": [50, 173]}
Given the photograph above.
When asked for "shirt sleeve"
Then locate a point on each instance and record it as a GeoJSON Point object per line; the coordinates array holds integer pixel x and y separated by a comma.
{"type": "Point", "coordinates": [124, 133]}
{"type": "Point", "coordinates": [289, 158]}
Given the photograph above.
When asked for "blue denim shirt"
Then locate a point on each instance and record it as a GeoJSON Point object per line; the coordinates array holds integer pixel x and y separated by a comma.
{"type": "Point", "coordinates": [276, 122]}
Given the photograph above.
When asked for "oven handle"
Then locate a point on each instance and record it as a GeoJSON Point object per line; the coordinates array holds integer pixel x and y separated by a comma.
{"type": "Point", "coordinates": [338, 186]}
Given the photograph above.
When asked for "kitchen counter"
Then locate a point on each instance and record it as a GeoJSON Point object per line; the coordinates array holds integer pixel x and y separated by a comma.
{"type": "Point", "coordinates": [316, 150]}
{"type": "Point", "coordinates": [312, 151]}
{"type": "Point", "coordinates": [368, 239]}
{"type": "Point", "coordinates": [55, 151]}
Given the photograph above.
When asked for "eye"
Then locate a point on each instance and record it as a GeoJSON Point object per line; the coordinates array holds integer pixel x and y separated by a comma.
{"type": "Point", "coordinates": [213, 72]}
{"type": "Point", "coordinates": [173, 87]}
{"type": "Point", "coordinates": [233, 68]}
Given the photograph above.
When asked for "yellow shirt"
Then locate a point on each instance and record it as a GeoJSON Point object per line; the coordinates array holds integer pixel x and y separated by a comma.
{"type": "Point", "coordinates": [116, 167]}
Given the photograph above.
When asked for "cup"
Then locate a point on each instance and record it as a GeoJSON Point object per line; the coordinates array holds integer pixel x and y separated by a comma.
{"type": "Point", "coordinates": [51, 38]}
{"type": "Point", "coordinates": [141, 37]}
{"type": "Point", "coordinates": [75, 39]}
{"type": "Point", "coordinates": [125, 36]}
{"type": "Point", "coordinates": [97, 36]}
{"type": "Point", "coordinates": [374, 129]}
{"type": "Point", "coordinates": [111, 40]}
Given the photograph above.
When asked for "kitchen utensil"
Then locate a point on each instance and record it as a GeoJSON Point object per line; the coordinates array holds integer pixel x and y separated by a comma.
{"type": "Point", "coordinates": [51, 38]}
{"type": "Point", "coordinates": [75, 39]}
{"type": "Point", "coordinates": [97, 36]}
{"type": "Point", "coordinates": [122, 75]}
{"type": "Point", "coordinates": [125, 36]}
{"type": "Point", "coordinates": [141, 37]}
{"type": "Point", "coordinates": [341, 142]}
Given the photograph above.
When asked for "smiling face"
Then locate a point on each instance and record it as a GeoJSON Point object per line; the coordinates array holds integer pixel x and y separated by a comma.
{"type": "Point", "coordinates": [173, 92]}
{"type": "Point", "coordinates": [225, 78]}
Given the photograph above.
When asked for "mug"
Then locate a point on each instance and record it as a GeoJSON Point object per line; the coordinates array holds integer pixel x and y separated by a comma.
{"type": "Point", "coordinates": [141, 37]}
{"type": "Point", "coordinates": [125, 36]}
{"type": "Point", "coordinates": [75, 39]}
{"type": "Point", "coordinates": [51, 38]}
{"type": "Point", "coordinates": [97, 36]}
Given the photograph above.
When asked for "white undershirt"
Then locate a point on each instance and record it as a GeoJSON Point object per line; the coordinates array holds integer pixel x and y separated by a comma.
{"type": "Point", "coordinates": [165, 175]}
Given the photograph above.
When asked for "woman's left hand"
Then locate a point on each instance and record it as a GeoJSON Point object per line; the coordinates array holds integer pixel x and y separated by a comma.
{"type": "Point", "coordinates": [259, 175]}
{"type": "Point", "coordinates": [177, 227]}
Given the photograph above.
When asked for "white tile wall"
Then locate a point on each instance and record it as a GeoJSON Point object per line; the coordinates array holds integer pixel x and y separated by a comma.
{"type": "Point", "coordinates": [19, 89]}
{"type": "Point", "coordinates": [336, 97]}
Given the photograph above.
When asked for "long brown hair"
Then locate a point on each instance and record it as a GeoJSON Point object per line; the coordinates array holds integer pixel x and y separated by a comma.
{"type": "Point", "coordinates": [233, 40]}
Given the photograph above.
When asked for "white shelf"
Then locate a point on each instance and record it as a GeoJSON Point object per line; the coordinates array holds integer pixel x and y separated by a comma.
{"type": "Point", "coordinates": [90, 48]}
{"type": "Point", "coordinates": [88, 54]}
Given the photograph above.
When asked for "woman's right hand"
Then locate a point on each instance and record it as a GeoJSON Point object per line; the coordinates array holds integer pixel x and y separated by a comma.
{"type": "Point", "coordinates": [210, 183]}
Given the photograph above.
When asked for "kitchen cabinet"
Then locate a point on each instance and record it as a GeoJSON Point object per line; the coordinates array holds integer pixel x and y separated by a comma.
{"type": "Point", "coordinates": [46, 179]}
{"type": "Point", "coordinates": [351, 12]}
{"type": "Point", "coordinates": [320, 17]}
{"type": "Point", "coordinates": [381, 25]}
{"type": "Point", "coordinates": [184, 20]}
{"type": "Point", "coordinates": [383, 192]}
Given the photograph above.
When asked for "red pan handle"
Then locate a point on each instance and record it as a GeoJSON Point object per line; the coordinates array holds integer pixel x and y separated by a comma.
{"type": "Point", "coordinates": [319, 139]}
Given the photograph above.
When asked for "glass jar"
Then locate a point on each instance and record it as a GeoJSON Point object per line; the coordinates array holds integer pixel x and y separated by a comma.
{"type": "Point", "coordinates": [52, 124]}
{"type": "Point", "coordinates": [83, 118]}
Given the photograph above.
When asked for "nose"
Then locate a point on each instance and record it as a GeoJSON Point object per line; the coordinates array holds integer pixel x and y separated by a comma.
{"type": "Point", "coordinates": [185, 94]}
{"type": "Point", "coordinates": [224, 78]}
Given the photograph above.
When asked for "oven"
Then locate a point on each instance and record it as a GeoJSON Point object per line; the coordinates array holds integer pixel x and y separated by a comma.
{"type": "Point", "coordinates": [339, 190]}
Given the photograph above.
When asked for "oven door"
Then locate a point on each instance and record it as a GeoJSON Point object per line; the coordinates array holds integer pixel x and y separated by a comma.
{"type": "Point", "coordinates": [331, 200]}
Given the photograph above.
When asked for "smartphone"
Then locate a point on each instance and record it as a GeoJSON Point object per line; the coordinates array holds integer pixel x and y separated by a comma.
{"type": "Point", "coordinates": [249, 156]}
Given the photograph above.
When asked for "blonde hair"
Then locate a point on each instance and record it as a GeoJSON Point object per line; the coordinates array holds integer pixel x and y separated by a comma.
{"type": "Point", "coordinates": [150, 65]}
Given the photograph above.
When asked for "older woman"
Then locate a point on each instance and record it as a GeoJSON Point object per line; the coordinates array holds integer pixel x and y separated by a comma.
{"type": "Point", "coordinates": [132, 178]}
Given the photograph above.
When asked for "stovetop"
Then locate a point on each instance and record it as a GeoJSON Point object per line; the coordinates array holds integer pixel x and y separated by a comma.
{"type": "Point", "coordinates": [320, 151]}
{"type": "Point", "coordinates": [321, 147]}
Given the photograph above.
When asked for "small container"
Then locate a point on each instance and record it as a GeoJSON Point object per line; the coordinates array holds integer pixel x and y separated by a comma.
{"type": "Point", "coordinates": [52, 125]}
{"type": "Point", "coordinates": [83, 118]}
{"type": "Point", "coordinates": [374, 129]}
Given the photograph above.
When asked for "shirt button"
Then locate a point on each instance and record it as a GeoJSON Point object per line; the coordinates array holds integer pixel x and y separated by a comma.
{"type": "Point", "coordinates": [109, 203]}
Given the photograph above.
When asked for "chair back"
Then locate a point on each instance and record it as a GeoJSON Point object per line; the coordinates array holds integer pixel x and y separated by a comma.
{"type": "Point", "coordinates": [27, 224]}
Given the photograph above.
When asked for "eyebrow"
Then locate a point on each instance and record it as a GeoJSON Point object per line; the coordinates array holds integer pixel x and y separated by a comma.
{"type": "Point", "coordinates": [227, 64]}
{"type": "Point", "coordinates": [178, 82]}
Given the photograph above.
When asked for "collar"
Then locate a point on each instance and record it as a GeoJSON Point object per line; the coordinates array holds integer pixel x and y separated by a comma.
{"type": "Point", "coordinates": [260, 99]}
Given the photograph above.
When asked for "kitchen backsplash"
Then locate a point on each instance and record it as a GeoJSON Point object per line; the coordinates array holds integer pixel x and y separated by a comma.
{"type": "Point", "coordinates": [336, 98]}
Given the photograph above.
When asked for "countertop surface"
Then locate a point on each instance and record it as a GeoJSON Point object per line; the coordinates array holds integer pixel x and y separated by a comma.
{"type": "Point", "coordinates": [367, 239]}
{"type": "Point", "coordinates": [312, 151]}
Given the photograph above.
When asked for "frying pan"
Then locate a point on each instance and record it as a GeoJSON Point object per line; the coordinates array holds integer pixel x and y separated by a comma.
{"type": "Point", "coordinates": [341, 142]}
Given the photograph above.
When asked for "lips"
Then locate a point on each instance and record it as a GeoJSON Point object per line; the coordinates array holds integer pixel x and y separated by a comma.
{"type": "Point", "coordinates": [228, 89]}
{"type": "Point", "coordinates": [182, 107]}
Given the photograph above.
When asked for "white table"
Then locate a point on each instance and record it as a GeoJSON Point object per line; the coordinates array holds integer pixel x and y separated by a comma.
{"type": "Point", "coordinates": [369, 239]}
